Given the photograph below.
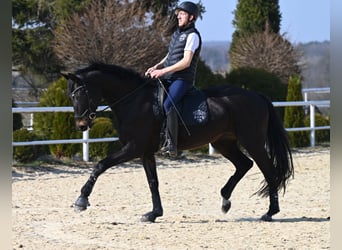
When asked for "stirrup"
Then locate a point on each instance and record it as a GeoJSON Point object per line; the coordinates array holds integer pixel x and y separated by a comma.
{"type": "Point", "coordinates": [168, 149]}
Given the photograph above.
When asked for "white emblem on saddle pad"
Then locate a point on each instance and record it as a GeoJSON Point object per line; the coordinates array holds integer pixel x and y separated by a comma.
{"type": "Point", "coordinates": [200, 114]}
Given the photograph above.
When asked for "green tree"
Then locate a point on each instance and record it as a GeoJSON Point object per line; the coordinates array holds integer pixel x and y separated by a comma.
{"type": "Point", "coordinates": [295, 115]}
{"type": "Point", "coordinates": [251, 16]}
{"type": "Point", "coordinates": [32, 37]}
{"type": "Point", "coordinates": [256, 40]}
{"type": "Point", "coordinates": [162, 6]}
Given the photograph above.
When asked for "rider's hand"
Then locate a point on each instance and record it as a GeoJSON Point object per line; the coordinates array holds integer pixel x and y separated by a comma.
{"type": "Point", "coordinates": [157, 73]}
{"type": "Point", "coordinates": [150, 70]}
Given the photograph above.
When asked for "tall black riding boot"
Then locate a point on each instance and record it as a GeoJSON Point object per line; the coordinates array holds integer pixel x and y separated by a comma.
{"type": "Point", "coordinates": [171, 133]}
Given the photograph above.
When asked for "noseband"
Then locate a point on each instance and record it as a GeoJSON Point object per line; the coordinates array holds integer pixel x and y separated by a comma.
{"type": "Point", "coordinates": [92, 115]}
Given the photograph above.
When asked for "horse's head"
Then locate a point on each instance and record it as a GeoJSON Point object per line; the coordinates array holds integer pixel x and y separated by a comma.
{"type": "Point", "coordinates": [83, 101]}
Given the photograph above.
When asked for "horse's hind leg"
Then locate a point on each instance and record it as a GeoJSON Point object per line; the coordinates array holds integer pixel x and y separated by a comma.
{"type": "Point", "coordinates": [230, 150]}
{"type": "Point", "coordinates": [261, 158]}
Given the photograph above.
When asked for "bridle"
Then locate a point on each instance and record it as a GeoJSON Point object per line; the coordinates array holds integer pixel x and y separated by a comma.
{"type": "Point", "coordinates": [92, 114]}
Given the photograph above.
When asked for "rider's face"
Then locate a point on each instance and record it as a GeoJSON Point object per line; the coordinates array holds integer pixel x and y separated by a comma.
{"type": "Point", "coordinates": [183, 18]}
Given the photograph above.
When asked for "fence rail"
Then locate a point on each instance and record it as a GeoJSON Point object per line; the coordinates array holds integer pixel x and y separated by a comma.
{"type": "Point", "coordinates": [86, 140]}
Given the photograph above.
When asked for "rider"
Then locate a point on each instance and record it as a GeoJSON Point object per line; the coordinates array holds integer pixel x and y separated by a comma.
{"type": "Point", "coordinates": [178, 68]}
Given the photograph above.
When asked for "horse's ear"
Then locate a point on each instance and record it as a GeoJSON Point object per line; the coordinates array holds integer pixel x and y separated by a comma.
{"type": "Point", "coordinates": [65, 74]}
{"type": "Point", "coordinates": [71, 76]}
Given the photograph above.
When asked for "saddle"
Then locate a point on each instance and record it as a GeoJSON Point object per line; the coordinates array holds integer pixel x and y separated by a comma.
{"type": "Point", "coordinates": [193, 107]}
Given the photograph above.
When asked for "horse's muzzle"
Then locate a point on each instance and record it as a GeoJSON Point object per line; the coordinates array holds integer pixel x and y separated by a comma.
{"type": "Point", "coordinates": [83, 124]}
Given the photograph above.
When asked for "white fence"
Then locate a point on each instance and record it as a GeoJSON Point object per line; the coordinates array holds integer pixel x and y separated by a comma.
{"type": "Point", "coordinates": [86, 140]}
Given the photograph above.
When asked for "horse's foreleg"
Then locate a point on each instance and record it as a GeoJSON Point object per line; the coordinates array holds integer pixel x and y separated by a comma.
{"type": "Point", "coordinates": [82, 202]}
{"type": "Point", "coordinates": [149, 163]}
{"type": "Point", "coordinates": [125, 154]}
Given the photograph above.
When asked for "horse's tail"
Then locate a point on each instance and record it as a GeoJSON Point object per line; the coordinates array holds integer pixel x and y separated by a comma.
{"type": "Point", "coordinates": [279, 150]}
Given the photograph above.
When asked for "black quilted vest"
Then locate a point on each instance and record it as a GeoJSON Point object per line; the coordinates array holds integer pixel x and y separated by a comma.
{"type": "Point", "coordinates": [176, 53]}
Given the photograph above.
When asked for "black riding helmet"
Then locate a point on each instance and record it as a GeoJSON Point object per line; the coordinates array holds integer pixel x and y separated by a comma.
{"type": "Point", "coordinates": [189, 7]}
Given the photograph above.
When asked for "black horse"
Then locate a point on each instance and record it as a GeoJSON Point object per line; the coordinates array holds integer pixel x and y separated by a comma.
{"type": "Point", "coordinates": [238, 119]}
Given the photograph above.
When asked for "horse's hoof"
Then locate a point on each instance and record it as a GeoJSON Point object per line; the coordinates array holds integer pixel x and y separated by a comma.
{"type": "Point", "coordinates": [151, 216]}
{"type": "Point", "coordinates": [148, 217]}
{"type": "Point", "coordinates": [81, 204]}
{"type": "Point", "coordinates": [226, 204]}
{"type": "Point", "coordinates": [79, 209]}
{"type": "Point", "coordinates": [266, 217]}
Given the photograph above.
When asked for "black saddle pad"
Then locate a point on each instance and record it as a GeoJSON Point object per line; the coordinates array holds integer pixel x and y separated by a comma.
{"type": "Point", "coordinates": [193, 108]}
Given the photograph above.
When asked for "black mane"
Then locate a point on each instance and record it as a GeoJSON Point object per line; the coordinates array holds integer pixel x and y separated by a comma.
{"type": "Point", "coordinates": [110, 68]}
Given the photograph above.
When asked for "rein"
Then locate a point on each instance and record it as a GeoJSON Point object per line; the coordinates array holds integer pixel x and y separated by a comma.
{"type": "Point", "coordinates": [127, 95]}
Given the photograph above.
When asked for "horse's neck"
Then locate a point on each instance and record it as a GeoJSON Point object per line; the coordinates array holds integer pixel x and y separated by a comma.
{"type": "Point", "coordinates": [128, 99]}
{"type": "Point", "coordinates": [133, 111]}
{"type": "Point", "coordinates": [117, 91]}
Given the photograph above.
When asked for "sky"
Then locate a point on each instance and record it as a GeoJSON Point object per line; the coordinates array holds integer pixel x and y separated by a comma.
{"type": "Point", "coordinates": [302, 20]}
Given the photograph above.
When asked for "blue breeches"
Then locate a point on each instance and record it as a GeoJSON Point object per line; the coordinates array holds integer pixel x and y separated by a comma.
{"type": "Point", "coordinates": [177, 90]}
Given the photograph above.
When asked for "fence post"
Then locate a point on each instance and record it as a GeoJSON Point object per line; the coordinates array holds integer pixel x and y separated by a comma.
{"type": "Point", "coordinates": [211, 149]}
{"type": "Point", "coordinates": [305, 100]}
{"type": "Point", "coordinates": [86, 145]}
{"type": "Point", "coordinates": [312, 125]}
{"type": "Point", "coordinates": [31, 121]}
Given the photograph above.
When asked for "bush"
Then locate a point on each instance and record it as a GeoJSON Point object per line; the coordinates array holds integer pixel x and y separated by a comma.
{"type": "Point", "coordinates": [25, 154]}
{"type": "Point", "coordinates": [102, 127]}
{"type": "Point", "coordinates": [258, 80]}
{"type": "Point", "coordinates": [206, 78]}
{"type": "Point", "coordinates": [57, 125]}
{"type": "Point", "coordinates": [295, 115]}
{"type": "Point", "coordinates": [320, 135]}
{"type": "Point", "coordinates": [17, 119]}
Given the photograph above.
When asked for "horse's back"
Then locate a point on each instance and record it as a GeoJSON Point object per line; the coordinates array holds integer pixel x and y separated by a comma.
{"type": "Point", "coordinates": [229, 90]}
{"type": "Point", "coordinates": [235, 97]}
{"type": "Point", "coordinates": [242, 109]}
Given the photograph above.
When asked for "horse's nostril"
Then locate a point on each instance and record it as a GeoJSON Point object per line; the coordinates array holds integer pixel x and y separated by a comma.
{"type": "Point", "coordinates": [82, 124]}
{"type": "Point", "coordinates": [82, 128]}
